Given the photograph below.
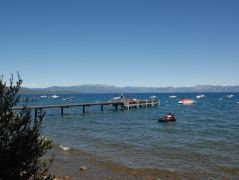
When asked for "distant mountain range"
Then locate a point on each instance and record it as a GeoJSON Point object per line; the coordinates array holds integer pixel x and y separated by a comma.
{"type": "Point", "coordinates": [99, 88]}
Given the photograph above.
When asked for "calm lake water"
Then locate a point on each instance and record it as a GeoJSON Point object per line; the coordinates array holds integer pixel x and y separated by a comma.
{"type": "Point", "coordinates": [204, 138]}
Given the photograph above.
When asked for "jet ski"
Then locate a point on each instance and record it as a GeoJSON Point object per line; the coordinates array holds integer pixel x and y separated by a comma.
{"type": "Point", "coordinates": [167, 117]}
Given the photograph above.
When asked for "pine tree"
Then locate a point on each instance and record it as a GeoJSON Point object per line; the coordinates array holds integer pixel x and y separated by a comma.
{"type": "Point", "coordinates": [21, 143]}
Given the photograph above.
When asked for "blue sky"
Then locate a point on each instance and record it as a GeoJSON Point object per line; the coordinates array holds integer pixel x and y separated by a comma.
{"type": "Point", "coordinates": [120, 42]}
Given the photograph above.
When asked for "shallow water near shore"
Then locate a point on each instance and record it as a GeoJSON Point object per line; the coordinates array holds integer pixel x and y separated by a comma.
{"type": "Point", "coordinates": [203, 139]}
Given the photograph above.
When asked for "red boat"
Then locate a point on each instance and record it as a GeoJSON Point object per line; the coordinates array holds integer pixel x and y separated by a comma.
{"type": "Point", "coordinates": [186, 101]}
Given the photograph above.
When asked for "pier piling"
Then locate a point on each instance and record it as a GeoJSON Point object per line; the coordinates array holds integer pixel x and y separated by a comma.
{"type": "Point", "coordinates": [62, 111]}
{"type": "Point", "coordinates": [35, 113]}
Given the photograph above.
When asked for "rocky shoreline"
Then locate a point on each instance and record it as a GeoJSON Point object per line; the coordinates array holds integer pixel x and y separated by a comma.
{"type": "Point", "coordinates": [71, 164]}
{"type": "Point", "coordinates": [75, 164]}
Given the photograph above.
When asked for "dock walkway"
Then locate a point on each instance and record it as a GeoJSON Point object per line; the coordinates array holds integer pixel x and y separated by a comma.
{"type": "Point", "coordinates": [123, 104]}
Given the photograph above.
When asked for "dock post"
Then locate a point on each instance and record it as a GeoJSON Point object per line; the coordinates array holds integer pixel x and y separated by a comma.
{"type": "Point", "coordinates": [62, 111]}
{"type": "Point", "coordinates": [116, 107]}
{"type": "Point", "coordinates": [128, 105]}
{"type": "Point", "coordinates": [102, 107]}
{"type": "Point", "coordinates": [83, 109]}
{"type": "Point", "coordinates": [35, 113]}
{"type": "Point", "coordinates": [146, 105]}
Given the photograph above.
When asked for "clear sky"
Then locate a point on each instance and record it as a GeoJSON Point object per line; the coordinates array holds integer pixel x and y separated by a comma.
{"type": "Point", "coordinates": [120, 42]}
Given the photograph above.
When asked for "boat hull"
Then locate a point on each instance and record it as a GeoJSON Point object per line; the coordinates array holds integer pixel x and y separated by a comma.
{"type": "Point", "coordinates": [187, 101]}
{"type": "Point", "coordinates": [166, 120]}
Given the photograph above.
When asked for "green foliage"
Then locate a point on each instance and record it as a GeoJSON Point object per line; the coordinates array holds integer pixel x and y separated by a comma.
{"type": "Point", "coordinates": [21, 144]}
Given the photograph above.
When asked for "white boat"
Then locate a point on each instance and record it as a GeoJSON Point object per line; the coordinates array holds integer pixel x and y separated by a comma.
{"type": "Point", "coordinates": [172, 96]}
{"type": "Point", "coordinates": [44, 96]}
{"type": "Point", "coordinates": [54, 96]}
{"type": "Point", "coordinates": [69, 98]}
{"type": "Point", "coordinates": [230, 96]}
{"type": "Point", "coordinates": [116, 99]}
{"type": "Point", "coordinates": [153, 97]}
{"type": "Point", "coordinates": [186, 101]}
{"type": "Point", "coordinates": [200, 96]}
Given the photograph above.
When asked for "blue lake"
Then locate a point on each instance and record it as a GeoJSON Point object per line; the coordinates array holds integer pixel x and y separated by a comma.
{"type": "Point", "coordinates": [204, 137]}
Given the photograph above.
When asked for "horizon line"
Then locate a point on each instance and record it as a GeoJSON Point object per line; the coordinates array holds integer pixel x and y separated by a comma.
{"type": "Point", "coordinates": [126, 86]}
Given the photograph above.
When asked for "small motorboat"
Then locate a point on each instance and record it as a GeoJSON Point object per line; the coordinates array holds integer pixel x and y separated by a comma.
{"type": "Point", "coordinates": [186, 101]}
{"type": "Point", "coordinates": [116, 99]}
{"type": "Point", "coordinates": [54, 96]}
{"type": "Point", "coordinates": [167, 118]}
{"type": "Point", "coordinates": [230, 96]}
{"type": "Point", "coordinates": [172, 97]}
{"type": "Point", "coordinates": [44, 96]}
{"type": "Point", "coordinates": [153, 97]}
{"type": "Point", "coordinates": [67, 99]}
{"type": "Point", "coordinates": [200, 96]}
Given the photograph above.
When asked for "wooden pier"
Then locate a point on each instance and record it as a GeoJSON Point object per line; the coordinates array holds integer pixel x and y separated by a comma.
{"type": "Point", "coordinates": [121, 104]}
